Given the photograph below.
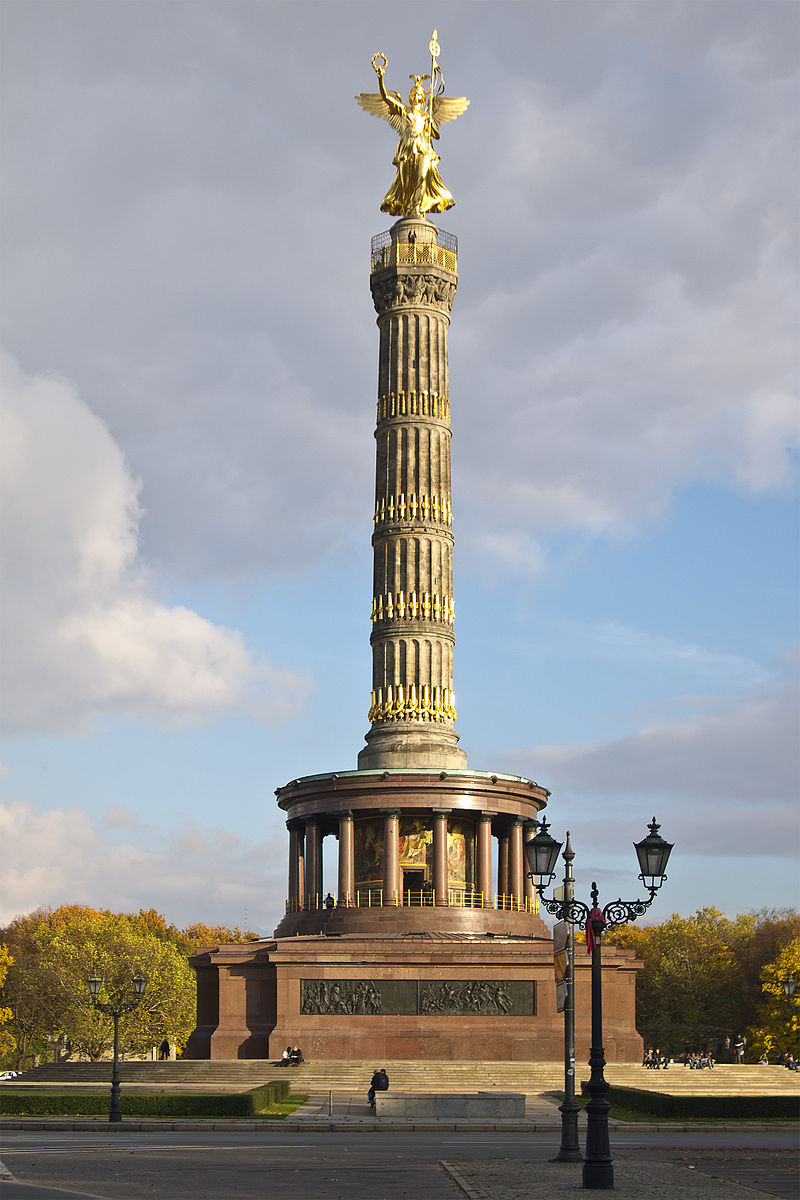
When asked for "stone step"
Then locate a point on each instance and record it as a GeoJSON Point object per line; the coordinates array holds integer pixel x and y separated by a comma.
{"type": "Point", "coordinates": [424, 1076]}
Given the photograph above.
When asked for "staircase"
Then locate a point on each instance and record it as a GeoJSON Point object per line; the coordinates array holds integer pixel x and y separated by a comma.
{"type": "Point", "coordinates": [418, 1076]}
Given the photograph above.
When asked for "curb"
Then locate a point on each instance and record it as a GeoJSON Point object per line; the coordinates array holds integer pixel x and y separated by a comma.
{"type": "Point", "coordinates": [166, 1125]}
{"type": "Point", "coordinates": [459, 1180]}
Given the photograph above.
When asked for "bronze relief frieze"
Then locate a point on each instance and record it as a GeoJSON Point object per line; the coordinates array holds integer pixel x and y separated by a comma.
{"type": "Point", "coordinates": [418, 997]}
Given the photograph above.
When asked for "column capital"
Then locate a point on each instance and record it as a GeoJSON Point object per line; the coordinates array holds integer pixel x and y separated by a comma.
{"type": "Point", "coordinates": [345, 814]}
{"type": "Point", "coordinates": [442, 812]}
{"type": "Point", "coordinates": [487, 816]}
{"type": "Point", "coordinates": [390, 812]}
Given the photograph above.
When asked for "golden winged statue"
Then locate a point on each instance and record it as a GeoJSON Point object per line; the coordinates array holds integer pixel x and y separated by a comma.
{"type": "Point", "coordinates": [417, 188]}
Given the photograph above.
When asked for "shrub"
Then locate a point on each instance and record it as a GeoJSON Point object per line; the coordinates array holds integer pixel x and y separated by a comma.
{"type": "Point", "coordinates": [254, 1103]}
{"type": "Point", "coordinates": [731, 1108]}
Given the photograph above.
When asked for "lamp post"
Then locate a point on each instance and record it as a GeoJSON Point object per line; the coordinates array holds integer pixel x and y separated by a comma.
{"type": "Point", "coordinates": [789, 990]}
{"type": "Point", "coordinates": [115, 1011]}
{"type": "Point", "coordinates": [653, 853]}
{"type": "Point", "coordinates": [569, 1150]}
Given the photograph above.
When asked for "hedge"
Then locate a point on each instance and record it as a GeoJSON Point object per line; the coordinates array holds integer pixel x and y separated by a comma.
{"type": "Point", "coordinates": [254, 1103]}
{"type": "Point", "coordinates": [661, 1104]}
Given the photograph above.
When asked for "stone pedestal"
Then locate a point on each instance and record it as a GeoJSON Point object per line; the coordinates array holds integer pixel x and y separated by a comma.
{"type": "Point", "coordinates": [414, 996]}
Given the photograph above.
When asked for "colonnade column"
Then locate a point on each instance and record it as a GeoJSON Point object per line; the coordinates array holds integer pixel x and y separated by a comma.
{"type": "Point", "coordinates": [502, 863]}
{"type": "Point", "coordinates": [530, 891]}
{"type": "Point", "coordinates": [484, 863]}
{"type": "Point", "coordinates": [440, 872]}
{"type": "Point", "coordinates": [391, 856]}
{"type": "Point", "coordinates": [347, 870]}
{"type": "Point", "coordinates": [515, 862]}
{"type": "Point", "coordinates": [295, 864]}
{"type": "Point", "coordinates": [313, 872]}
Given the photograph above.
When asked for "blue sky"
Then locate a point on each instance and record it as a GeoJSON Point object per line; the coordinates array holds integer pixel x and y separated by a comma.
{"type": "Point", "coordinates": [189, 362]}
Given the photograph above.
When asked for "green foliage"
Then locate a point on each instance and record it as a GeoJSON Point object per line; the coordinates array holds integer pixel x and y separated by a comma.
{"type": "Point", "coordinates": [776, 1029]}
{"type": "Point", "coordinates": [52, 952]}
{"type": "Point", "coordinates": [57, 952]}
{"type": "Point", "coordinates": [260, 1101]}
{"type": "Point", "coordinates": [701, 978]}
{"type": "Point", "coordinates": [730, 1108]}
{"type": "Point", "coordinates": [7, 1040]}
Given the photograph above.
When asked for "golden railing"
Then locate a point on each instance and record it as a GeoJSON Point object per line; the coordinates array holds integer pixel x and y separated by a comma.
{"type": "Point", "coordinates": [373, 897]}
{"type": "Point", "coordinates": [414, 254]}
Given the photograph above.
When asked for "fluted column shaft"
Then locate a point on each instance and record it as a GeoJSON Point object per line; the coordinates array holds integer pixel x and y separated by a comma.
{"type": "Point", "coordinates": [412, 706]}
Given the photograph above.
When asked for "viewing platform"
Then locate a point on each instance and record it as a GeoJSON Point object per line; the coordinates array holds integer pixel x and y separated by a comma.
{"type": "Point", "coordinates": [440, 251]}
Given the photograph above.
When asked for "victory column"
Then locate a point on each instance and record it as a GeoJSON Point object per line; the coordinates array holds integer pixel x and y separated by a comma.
{"type": "Point", "coordinates": [431, 939]}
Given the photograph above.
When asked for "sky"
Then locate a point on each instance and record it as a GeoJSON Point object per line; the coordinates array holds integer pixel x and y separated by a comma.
{"type": "Point", "coordinates": [189, 362]}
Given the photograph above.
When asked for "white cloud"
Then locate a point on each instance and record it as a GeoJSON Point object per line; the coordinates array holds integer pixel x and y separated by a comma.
{"type": "Point", "coordinates": [60, 856]}
{"type": "Point", "coordinates": [624, 325]}
{"type": "Point", "coordinates": [84, 631]}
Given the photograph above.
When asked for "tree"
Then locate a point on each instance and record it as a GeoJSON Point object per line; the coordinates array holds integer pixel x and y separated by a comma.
{"type": "Point", "coordinates": [701, 982]}
{"type": "Point", "coordinates": [7, 1040]}
{"type": "Point", "coordinates": [28, 991]}
{"type": "Point", "coordinates": [63, 947]}
{"type": "Point", "coordinates": [194, 936]}
{"type": "Point", "coordinates": [777, 1026]}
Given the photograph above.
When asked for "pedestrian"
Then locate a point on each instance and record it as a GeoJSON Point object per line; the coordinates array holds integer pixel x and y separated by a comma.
{"type": "Point", "coordinates": [330, 903]}
{"type": "Point", "coordinates": [286, 1056]}
{"type": "Point", "coordinates": [164, 1050]}
{"type": "Point", "coordinates": [378, 1083]}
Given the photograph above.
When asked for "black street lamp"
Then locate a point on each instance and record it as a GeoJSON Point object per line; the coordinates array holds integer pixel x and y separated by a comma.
{"type": "Point", "coordinates": [569, 1150]}
{"type": "Point", "coordinates": [115, 1011]}
{"type": "Point", "coordinates": [542, 853]}
{"type": "Point", "coordinates": [789, 986]}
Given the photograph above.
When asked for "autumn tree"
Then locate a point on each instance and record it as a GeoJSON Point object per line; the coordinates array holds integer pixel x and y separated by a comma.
{"type": "Point", "coordinates": [776, 1029]}
{"type": "Point", "coordinates": [700, 984]}
{"type": "Point", "coordinates": [64, 947]}
{"type": "Point", "coordinates": [198, 935]}
{"type": "Point", "coordinates": [7, 1039]}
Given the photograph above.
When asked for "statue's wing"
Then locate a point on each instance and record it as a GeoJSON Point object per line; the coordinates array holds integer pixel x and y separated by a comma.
{"type": "Point", "coordinates": [392, 111]}
{"type": "Point", "coordinates": [447, 108]}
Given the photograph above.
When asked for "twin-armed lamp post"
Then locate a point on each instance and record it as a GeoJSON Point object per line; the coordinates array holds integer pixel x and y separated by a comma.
{"type": "Point", "coordinates": [542, 853]}
{"type": "Point", "coordinates": [115, 1010]}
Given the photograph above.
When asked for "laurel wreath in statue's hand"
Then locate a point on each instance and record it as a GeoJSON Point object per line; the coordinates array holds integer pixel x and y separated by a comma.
{"type": "Point", "coordinates": [379, 68]}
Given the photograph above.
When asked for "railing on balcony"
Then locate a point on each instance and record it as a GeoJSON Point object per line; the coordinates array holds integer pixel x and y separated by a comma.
{"type": "Point", "coordinates": [441, 253]}
{"type": "Point", "coordinates": [374, 897]}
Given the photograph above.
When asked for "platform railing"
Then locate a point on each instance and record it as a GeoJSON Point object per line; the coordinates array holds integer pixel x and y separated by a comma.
{"type": "Point", "coordinates": [375, 897]}
{"type": "Point", "coordinates": [443, 252]}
